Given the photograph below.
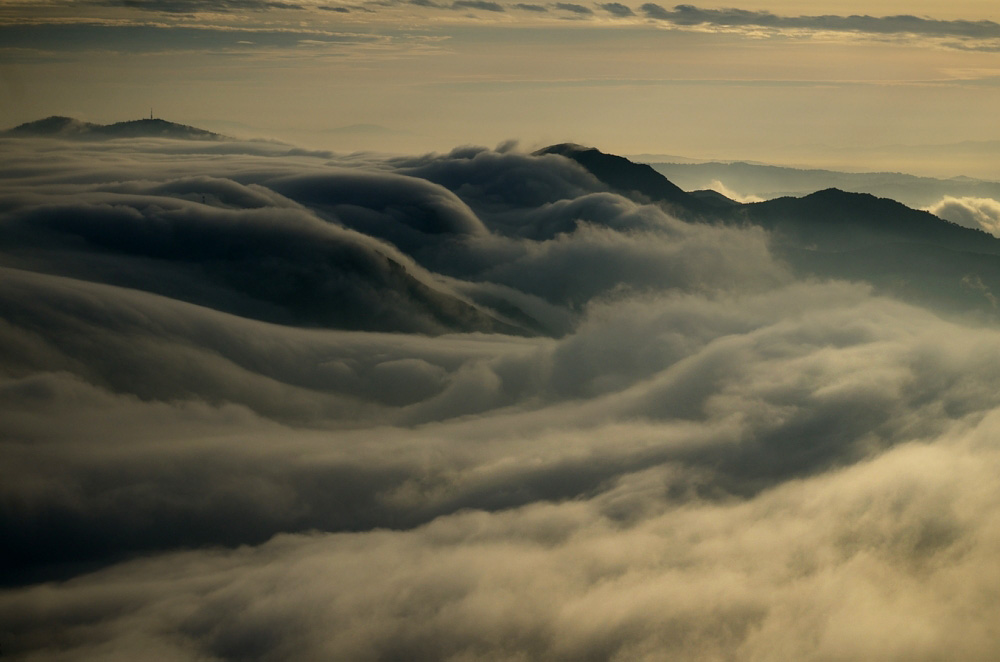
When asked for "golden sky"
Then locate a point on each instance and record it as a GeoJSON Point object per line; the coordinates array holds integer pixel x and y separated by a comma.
{"type": "Point", "coordinates": [791, 81]}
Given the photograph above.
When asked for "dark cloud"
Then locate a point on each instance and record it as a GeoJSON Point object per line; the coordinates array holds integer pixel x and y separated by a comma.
{"type": "Point", "coordinates": [132, 38]}
{"type": "Point", "coordinates": [534, 8]}
{"type": "Point", "coordinates": [492, 181]}
{"type": "Point", "coordinates": [696, 454]}
{"type": "Point", "coordinates": [617, 9]}
{"type": "Point", "coordinates": [484, 5]}
{"type": "Point", "coordinates": [689, 15]}
{"type": "Point", "coordinates": [315, 274]}
{"type": "Point", "coordinates": [575, 9]}
{"type": "Point", "coordinates": [550, 234]}
{"type": "Point", "coordinates": [201, 239]}
{"type": "Point", "coordinates": [198, 6]}
{"type": "Point", "coordinates": [653, 10]}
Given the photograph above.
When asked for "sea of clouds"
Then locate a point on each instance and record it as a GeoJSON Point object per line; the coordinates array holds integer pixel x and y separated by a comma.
{"type": "Point", "coordinates": [259, 403]}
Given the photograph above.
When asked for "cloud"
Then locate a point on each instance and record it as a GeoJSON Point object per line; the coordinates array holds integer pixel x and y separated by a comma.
{"type": "Point", "coordinates": [809, 569]}
{"type": "Point", "coordinates": [162, 38]}
{"type": "Point", "coordinates": [641, 385]}
{"type": "Point", "coordinates": [978, 213]}
{"type": "Point", "coordinates": [315, 272]}
{"type": "Point", "coordinates": [120, 29]}
{"type": "Point", "coordinates": [690, 15]}
{"type": "Point", "coordinates": [199, 6]}
{"type": "Point", "coordinates": [693, 453]}
{"type": "Point", "coordinates": [719, 187]}
{"type": "Point", "coordinates": [617, 9]}
{"type": "Point", "coordinates": [653, 10]}
{"type": "Point", "coordinates": [573, 8]}
{"type": "Point", "coordinates": [484, 5]}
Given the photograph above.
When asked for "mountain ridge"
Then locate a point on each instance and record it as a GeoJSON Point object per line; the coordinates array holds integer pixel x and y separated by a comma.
{"type": "Point", "coordinates": [626, 177]}
{"type": "Point", "coordinates": [812, 216]}
{"type": "Point", "coordinates": [59, 126]}
{"type": "Point", "coordinates": [772, 181]}
{"type": "Point", "coordinates": [833, 233]}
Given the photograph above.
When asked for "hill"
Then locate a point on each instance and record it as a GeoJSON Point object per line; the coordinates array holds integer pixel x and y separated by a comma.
{"type": "Point", "coordinates": [768, 181]}
{"type": "Point", "coordinates": [68, 127]}
{"type": "Point", "coordinates": [832, 233]}
{"type": "Point", "coordinates": [628, 178]}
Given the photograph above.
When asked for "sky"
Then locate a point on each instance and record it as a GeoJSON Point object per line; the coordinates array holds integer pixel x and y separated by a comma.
{"type": "Point", "coordinates": [901, 86]}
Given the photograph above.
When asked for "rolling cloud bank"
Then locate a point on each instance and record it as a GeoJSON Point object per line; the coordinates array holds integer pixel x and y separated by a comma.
{"type": "Point", "coordinates": [261, 403]}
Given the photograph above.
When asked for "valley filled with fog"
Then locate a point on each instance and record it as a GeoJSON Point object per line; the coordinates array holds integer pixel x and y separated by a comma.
{"type": "Point", "coordinates": [260, 402]}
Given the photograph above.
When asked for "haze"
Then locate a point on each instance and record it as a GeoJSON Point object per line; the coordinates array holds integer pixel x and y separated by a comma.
{"type": "Point", "coordinates": [837, 84]}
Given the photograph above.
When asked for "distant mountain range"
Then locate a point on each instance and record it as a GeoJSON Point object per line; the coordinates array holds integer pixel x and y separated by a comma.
{"type": "Point", "coordinates": [68, 127]}
{"type": "Point", "coordinates": [629, 178]}
{"type": "Point", "coordinates": [768, 181]}
{"type": "Point", "coordinates": [904, 252]}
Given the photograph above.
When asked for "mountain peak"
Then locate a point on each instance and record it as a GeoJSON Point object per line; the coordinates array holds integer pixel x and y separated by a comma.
{"type": "Point", "coordinates": [626, 177]}
{"type": "Point", "coordinates": [55, 125]}
{"type": "Point", "coordinates": [58, 126]}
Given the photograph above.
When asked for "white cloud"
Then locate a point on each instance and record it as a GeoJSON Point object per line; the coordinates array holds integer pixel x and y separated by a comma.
{"type": "Point", "coordinates": [719, 187]}
{"type": "Point", "coordinates": [979, 213]}
{"type": "Point", "coordinates": [709, 458]}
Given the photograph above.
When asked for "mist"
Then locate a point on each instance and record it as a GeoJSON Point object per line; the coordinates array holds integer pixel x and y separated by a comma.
{"type": "Point", "coordinates": [261, 403]}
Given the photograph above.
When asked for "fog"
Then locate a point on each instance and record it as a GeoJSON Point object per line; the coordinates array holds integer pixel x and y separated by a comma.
{"type": "Point", "coordinates": [265, 404]}
{"type": "Point", "coordinates": [978, 213]}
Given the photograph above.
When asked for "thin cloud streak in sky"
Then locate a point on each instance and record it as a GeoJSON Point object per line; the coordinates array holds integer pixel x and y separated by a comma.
{"type": "Point", "coordinates": [198, 6]}
{"type": "Point", "coordinates": [573, 8]}
{"type": "Point", "coordinates": [682, 16]}
{"type": "Point", "coordinates": [484, 5]}
{"type": "Point", "coordinates": [689, 15]}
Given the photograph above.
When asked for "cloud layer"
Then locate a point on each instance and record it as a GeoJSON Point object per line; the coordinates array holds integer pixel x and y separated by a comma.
{"type": "Point", "coordinates": [280, 24]}
{"type": "Point", "coordinates": [658, 442]}
{"type": "Point", "coordinates": [689, 15]}
{"type": "Point", "coordinates": [978, 213]}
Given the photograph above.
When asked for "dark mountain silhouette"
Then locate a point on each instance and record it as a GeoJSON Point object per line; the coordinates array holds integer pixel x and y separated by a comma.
{"type": "Point", "coordinates": [836, 220]}
{"type": "Point", "coordinates": [55, 126]}
{"type": "Point", "coordinates": [68, 127]}
{"type": "Point", "coordinates": [947, 280]}
{"type": "Point", "coordinates": [155, 128]}
{"type": "Point", "coordinates": [715, 199]}
{"type": "Point", "coordinates": [905, 252]}
{"type": "Point", "coordinates": [629, 179]}
{"type": "Point", "coordinates": [769, 181]}
{"type": "Point", "coordinates": [830, 220]}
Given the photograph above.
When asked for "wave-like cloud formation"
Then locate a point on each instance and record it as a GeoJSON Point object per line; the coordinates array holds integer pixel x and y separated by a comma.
{"type": "Point", "coordinates": [553, 424]}
{"type": "Point", "coordinates": [978, 213]}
